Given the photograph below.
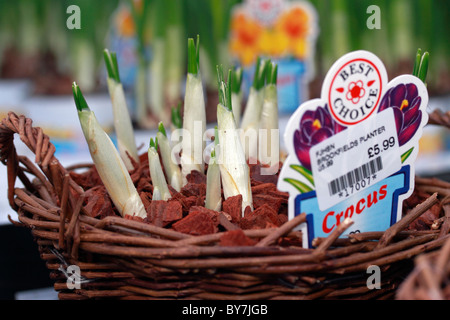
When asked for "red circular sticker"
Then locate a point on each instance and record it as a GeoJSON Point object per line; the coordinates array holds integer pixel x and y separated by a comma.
{"type": "Point", "coordinates": [355, 91]}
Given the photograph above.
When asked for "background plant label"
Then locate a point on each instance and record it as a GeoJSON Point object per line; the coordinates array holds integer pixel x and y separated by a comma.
{"type": "Point", "coordinates": [280, 30]}
{"type": "Point", "coordinates": [355, 159]}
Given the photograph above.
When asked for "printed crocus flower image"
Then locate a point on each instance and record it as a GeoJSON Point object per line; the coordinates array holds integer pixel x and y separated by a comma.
{"type": "Point", "coordinates": [315, 126]}
{"type": "Point", "coordinates": [405, 101]}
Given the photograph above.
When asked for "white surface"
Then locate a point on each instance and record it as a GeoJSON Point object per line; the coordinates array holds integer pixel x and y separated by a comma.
{"type": "Point", "coordinates": [37, 294]}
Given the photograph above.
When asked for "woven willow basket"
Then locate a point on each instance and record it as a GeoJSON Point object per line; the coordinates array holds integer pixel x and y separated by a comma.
{"type": "Point", "coordinates": [126, 259]}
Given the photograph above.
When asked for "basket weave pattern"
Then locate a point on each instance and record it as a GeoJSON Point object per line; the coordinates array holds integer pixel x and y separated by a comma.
{"type": "Point", "coordinates": [126, 259]}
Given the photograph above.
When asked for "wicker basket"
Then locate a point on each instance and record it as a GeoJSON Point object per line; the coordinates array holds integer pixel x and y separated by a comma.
{"type": "Point", "coordinates": [430, 279]}
{"type": "Point", "coordinates": [126, 259]}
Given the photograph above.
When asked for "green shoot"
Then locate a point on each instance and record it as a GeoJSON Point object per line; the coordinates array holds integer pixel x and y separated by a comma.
{"type": "Point", "coordinates": [236, 80]}
{"type": "Point", "coordinates": [224, 88]}
{"type": "Point", "coordinates": [160, 188]}
{"type": "Point", "coordinates": [79, 98]}
{"type": "Point", "coordinates": [177, 121]}
{"type": "Point", "coordinates": [234, 170]}
{"type": "Point", "coordinates": [193, 55]}
{"type": "Point", "coordinates": [259, 75]}
{"type": "Point", "coordinates": [162, 129]}
{"type": "Point", "coordinates": [173, 173]}
{"type": "Point", "coordinates": [420, 68]}
{"type": "Point", "coordinates": [111, 65]}
{"type": "Point", "coordinates": [154, 143]}
{"type": "Point", "coordinates": [108, 162]}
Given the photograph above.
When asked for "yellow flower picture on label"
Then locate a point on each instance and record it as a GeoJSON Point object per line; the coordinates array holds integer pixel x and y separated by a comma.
{"type": "Point", "coordinates": [286, 36]}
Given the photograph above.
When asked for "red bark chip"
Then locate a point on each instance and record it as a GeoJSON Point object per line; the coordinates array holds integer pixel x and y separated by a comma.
{"type": "Point", "coordinates": [196, 177]}
{"type": "Point", "coordinates": [88, 179]}
{"type": "Point", "coordinates": [261, 218]}
{"type": "Point", "coordinates": [97, 202]}
{"type": "Point", "coordinates": [196, 223]}
{"type": "Point", "coordinates": [194, 189]}
{"type": "Point", "coordinates": [173, 212]}
{"type": "Point", "coordinates": [426, 219]}
{"type": "Point", "coordinates": [233, 206]}
{"type": "Point", "coordinates": [188, 202]}
{"type": "Point", "coordinates": [236, 238]}
{"type": "Point", "coordinates": [145, 200]}
{"type": "Point", "coordinates": [162, 212]}
{"type": "Point", "coordinates": [156, 212]}
{"type": "Point", "coordinates": [262, 199]}
{"type": "Point", "coordinates": [282, 219]}
{"type": "Point", "coordinates": [256, 174]}
{"type": "Point", "coordinates": [263, 188]}
{"type": "Point", "coordinates": [214, 215]}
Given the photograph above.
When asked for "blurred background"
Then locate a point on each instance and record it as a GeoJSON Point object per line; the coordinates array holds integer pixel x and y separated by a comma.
{"type": "Point", "coordinates": [45, 45]}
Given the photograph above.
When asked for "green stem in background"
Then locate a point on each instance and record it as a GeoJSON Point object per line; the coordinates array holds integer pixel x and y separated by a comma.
{"type": "Point", "coordinates": [30, 26]}
{"type": "Point", "coordinates": [175, 51]}
{"type": "Point", "coordinates": [122, 120]}
{"type": "Point", "coordinates": [194, 118]}
{"type": "Point", "coordinates": [84, 61]}
{"type": "Point", "coordinates": [108, 162]}
{"type": "Point", "coordinates": [156, 71]}
{"type": "Point", "coordinates": [54, 18]}
{"type": "Point", "coordinates": [339, 18]}
{"type": "Point", "coordinates": [234, 170]}
{"type": "Point", "coordinates": [172, 170]}
{"type": "Point", "coordinates": [252, 113]}
{"type": "Point", "coordinates": [401, 26]}
{"type": "Point", "coordinates": [160, 188]}
{"type": "Point", "coordinates": [84, 50]}
{"type": "Point", "coordinates": [236, 94]}
{"type": "Point", "coordinates": [141, 82]}
{"type": "Point", "coordinates": [269, 148]}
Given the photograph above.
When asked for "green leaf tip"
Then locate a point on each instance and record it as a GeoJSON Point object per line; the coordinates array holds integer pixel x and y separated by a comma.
{"type": "Point", "coordinates": [259, 77]}
{"type": "Point", "coordinates": [154, 143]}
{"type": "Point", "coordinates": [162, 129]}
{"type": "Point", "coordinates": [420, 68]}
{"type": "Point", "coordinates": [176, 116]}
{"type": "Point", "coordinates": [193, 55]}
{"type": "Point", "coordinates": [80, 102]}
{"type": "Point", "coordinates": [236, 83]}
{"type": "Point", "coordinates": [111, 65]}
{"type": "Point", "coordinates": [271, 73]}
{"type": "Point", "coordinates": [224, 88]}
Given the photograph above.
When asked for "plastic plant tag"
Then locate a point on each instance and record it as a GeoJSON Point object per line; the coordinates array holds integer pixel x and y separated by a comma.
{"type": "Point", "coordinates": [284, 31]}
{"type": "Point", "coordinates": [351, 153]}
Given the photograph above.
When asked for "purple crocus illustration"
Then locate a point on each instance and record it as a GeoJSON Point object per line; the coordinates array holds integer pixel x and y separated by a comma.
{"type": "Point", "coordinates": [315, 126]}
{"type": "Point", "coordinates": [404, 99]}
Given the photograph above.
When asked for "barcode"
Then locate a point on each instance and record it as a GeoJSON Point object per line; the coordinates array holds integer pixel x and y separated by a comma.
{"type": "Point", "coordinates": [355, 176]}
